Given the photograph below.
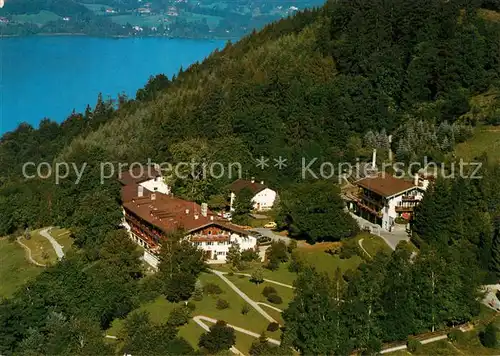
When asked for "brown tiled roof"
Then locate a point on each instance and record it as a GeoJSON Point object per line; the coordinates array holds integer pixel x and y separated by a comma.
{"type": "Point", "coordinates": [169, 213]}
{"type": "Point", "coordinates": [240, 184]}
{"type": "Point", "coordinates": [385, 184]}
{"type": "Point", "coordinates": [138, 175]}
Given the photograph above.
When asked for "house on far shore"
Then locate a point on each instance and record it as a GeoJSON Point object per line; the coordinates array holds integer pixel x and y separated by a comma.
{"type": "Point", "coordinates": [263, 197]}
{"type": "Point", "coordinates": [381, 198]}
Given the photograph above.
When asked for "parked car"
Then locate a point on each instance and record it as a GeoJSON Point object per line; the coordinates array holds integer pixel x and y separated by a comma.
{"type": "Point", "coordinates": [270, 225]}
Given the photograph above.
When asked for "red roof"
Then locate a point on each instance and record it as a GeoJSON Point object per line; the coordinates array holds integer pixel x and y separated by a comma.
{"type": "Point", "coordinates": [169, 213]}
{"type": "Point", "coordinates": [138, 175]}
{"type": "Point", "coordinates": [240, 184]}
{"type": "Point", "coordinates": [385, 184]}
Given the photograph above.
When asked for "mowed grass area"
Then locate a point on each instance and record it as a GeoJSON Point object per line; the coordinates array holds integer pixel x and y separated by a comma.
{"type": "Point", "coordinates": [15, 270]}
{"type": "Point", "coordinates": [373, 244]}
{"type": "Point", "coordinates": [63, 236]}
{"type": "Point", "coordinates": [41, 249]}
{"type": "Point", "coordinates": [160, 309]}
{"type": "Point", "coordinates": [485, 139]}
{"type": "Point", "coordinates": [40, 18]}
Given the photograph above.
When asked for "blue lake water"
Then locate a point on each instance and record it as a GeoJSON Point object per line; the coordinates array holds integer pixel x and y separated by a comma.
{"type": "Point", "coordinates": [49, 76]}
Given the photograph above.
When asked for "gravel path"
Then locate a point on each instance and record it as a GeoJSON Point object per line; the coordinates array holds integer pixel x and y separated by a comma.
{"type": "Point", "coordinates": [245, 297]}
{"type": "Point", "coordinates": [55, 245]}
{"type": "Point", "coordinates": [360, 242]}
{"type": "Point", "coordinates": [270, 306]}
{"type": "Point", "coordinates": [28, 253]}
{"type": "Point", "coordinates": [267, 280]}
{"type": "Point", "coordinates": [200, 318]}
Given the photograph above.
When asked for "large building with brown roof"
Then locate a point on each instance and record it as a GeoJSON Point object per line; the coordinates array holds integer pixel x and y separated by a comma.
{"type": "Point", "coordinates": [381, 198]}
{"type": "Point", "coordinates": [151, 217]}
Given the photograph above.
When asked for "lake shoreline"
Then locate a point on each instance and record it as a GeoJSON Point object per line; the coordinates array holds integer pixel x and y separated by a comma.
{"type": "Point", "coordinates": [63, 34]}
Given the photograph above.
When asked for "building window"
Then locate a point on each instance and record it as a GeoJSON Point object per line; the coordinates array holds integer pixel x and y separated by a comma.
{"type": "Point", "coordinates": [210, 243]}
{"type": "Point", "coordinates": [210, 232]}
{"type": "Point", "coordinates": [221, 253]}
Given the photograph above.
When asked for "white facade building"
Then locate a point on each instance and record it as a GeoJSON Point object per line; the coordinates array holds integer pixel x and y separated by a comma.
{"type": "Point", "coordinates": [156, 184]}
{"type": "Point", "coordinates": [263, 198]}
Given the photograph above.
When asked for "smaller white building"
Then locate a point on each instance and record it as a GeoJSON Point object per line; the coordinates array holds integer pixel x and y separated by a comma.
{"type": "Point", "coordinates": [263, 197]}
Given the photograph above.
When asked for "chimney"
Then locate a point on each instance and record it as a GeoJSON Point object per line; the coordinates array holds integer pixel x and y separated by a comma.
{"type": "Point", "coordinates": [390, 148]}
{"type": "Point", "coordinates": [211, 217]}
{"type": "Point", "coordinates": [140, 191]}
{"type": "Point", "coordinates": [253, 180]}
{"type": "Point", "coordinates": [196, 216]}
{"type": "Point", "coordinates": [187, 211]}
{"type": "Point", "coordinates": [262, 182]}
{"type": "Point", "coordinates": [416, 179]}
{"type": "Point", "coordinates": [204, 209]}
{"type": "Point", "coordinates": [153, 196]}
{"type": "Point", "coordinates": [374, 158]}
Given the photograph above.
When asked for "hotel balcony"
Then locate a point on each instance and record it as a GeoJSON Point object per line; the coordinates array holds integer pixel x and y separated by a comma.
{"type": "Point", "coordinates": [404, 208]}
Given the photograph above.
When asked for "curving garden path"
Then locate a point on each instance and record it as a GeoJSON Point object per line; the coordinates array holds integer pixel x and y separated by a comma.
{"type": "Point", "coordinates": [265, 280]}
{"type": "Point", "coordinates": [28, 253]}
{"type": "Point", "coordinates": [200, 318]}
{"type": "Point", "coordinates": [245, 297]}
{"type": "Point", "coordinates": [360, 242]}
{"type": "Point", "coordinates": [58, 248]}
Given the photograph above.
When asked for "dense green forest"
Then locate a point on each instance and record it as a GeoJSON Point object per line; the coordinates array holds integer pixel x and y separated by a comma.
{"type": "Point", "coordinates": [329, 83]}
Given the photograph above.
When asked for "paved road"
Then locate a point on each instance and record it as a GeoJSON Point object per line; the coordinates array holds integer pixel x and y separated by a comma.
{"type": "Point", "coordinates": [392, 238]}
{"type": "Point", "coordinates": [269, 233]}
{"type": "Point", "coordinates": [267, 280]}
{"type": "Point", "coordinates": [244, 296]}
{"type": "Point", "coordinates": [200, 318]}
{"type": "Point", "coordinates": [55, 245]}
{"type": "Point", "coordinates": [270, 306]}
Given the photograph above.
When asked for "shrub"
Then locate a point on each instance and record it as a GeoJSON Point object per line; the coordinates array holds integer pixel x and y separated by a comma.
{"type": "Point", "coordinates": [179, 316]}
{"type": "Point", "coordinates": [413, 344]}
{"type": "Point", "coordinates": [212, 288]}
{"type": "Point", "coordinates": [273, 326]}
{"type": "Point", "coordinates": [349, 249]}
{"type": "Point", "coordinates": [221, 337]}
{"type": "Point", "coordinates": [245, 309]}
{"type": "Point", "coordinates": [455, 335]}
{"type": "Point", "coordinates": [349, 275]}
{"type": "Point", "coordinates": [292, 246]}
{"type": "Point", "coordinates": [222, 304]}
{"type": "Point", "coordinates": [296, 264]}
{"type": "Point", "coordinates": [249, 255]}
{"type": "Point", "coordinates": [191, 306]}
{"type": "Point", "coordinates": [275, 299]}
{"type": "Point", "coordinates": [273, 264]}
{"type": "Point", "coordinates": [489, 336]}
{"type": "Point", "coordinates": [230, 273]}
{"type": "Point", "coordinates": [257, 276]}
{"type": "Point", "coordinates": [268, 290]}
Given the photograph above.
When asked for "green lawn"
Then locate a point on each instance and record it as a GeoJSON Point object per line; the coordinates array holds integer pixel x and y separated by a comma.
{"type": "Point", "coordinates": [373, 244]}
{"type": "Point", "coordinates": [41, 249]}
{"type": "Point", "coordinates": [324, 262]}
{"type": "Point", "coordinates": [254, 291]}
{"type": "Point", "coordinates": [15, 270]}
{"type": "Point", "coordinates": [160, 309]}
{"type": "Point", "coordinates": [282, 275]}
{"type": "Point", "coordinates": [40, 18]}
{"type": "Point", "coordinates": [485, 139]}
{"type": "Point", "coordinates": [63, 236]}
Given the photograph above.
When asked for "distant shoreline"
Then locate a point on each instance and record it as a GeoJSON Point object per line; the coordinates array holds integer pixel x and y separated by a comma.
{"type": "Point", "coordinates": [62, 34]}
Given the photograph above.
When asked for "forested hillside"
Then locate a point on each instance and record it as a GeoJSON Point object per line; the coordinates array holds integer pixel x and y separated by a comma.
{"type": "Point", "coordinates": [330, 83]}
